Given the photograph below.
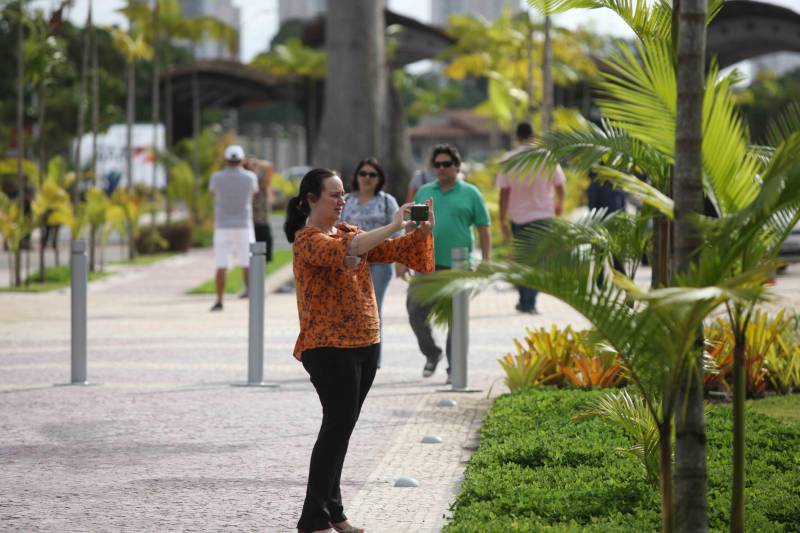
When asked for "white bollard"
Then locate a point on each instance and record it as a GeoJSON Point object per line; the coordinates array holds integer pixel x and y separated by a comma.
{"type": "Point", "coordinates": [460, 326]}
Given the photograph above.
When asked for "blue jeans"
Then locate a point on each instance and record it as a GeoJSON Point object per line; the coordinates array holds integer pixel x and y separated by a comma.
{"type": "Point", "coordinates": [527, 296]}
{"type": "Point", "coordinates": [381, 276]}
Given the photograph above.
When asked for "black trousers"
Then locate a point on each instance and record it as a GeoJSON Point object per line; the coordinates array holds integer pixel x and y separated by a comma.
{"type": "Point", "coordinates": [342, 378]}
{"type": "Point", "coordinates": [264, 234]}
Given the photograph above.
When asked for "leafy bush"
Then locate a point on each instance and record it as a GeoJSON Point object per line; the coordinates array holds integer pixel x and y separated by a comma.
{"type": "Point", "coordinates": [175, 237]}
{"type": "Point", "coordinates": [202, 236]}
{"type": "Point", "coordinates": [537, 471]}
{"type": "Point", "coordinates": [772, 354]}
{"type": "Point", "coordinates": [562, 358]}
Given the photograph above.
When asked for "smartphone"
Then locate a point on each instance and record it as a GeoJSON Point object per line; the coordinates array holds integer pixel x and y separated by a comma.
{"type": "Point", "coordinates": [419, 213]}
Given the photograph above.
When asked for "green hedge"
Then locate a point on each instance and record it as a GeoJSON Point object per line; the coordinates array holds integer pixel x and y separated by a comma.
{"type": "Point", "coordinates": [536, 470]}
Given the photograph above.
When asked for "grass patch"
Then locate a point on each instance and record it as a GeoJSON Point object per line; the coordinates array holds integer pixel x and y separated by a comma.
{"type": "Point", "coordinates": [234, 283]}
{"type": "Point", "coordinates": [536, 470]}
{"type": "Point", "coordinates": [148, 259]}
{"type": "Point", "coordinates": [54, 278]}
{"type": "Point", "coordinates": [786, 408]}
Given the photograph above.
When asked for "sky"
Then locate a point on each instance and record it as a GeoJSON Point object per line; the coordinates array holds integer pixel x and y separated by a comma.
{"type": "Point", "coordinates": [260, 18]}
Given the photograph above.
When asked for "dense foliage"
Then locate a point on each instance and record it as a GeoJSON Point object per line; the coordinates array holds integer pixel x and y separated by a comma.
{"type": "Point", "coordinates": [536, 470]}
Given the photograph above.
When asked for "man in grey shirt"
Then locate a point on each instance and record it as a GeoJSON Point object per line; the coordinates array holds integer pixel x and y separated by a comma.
{"type": "Point", "coordinates": [233, 189]}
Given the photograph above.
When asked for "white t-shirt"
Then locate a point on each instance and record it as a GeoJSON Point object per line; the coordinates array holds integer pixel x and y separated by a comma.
{"type": "Point", "coordinates": [233, 189]}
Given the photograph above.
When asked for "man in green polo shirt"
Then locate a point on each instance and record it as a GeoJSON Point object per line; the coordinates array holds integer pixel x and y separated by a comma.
{"type": "Point", "coordinates": [457, 206]}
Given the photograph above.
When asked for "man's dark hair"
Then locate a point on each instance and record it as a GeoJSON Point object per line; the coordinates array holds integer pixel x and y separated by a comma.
{"type": "Point", "coordinates": [448, 149]}
{"type": "Point", "coordinates": [524, 131]}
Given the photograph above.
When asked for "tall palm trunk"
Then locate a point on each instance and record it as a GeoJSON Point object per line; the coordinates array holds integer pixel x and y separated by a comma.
{"type": "Point", "coordinates": [40, 141]}
{"type": "Point", "coordinates": [665, 461]}
{"type": "Point", "coordinates": [168, 120]}
{"type": "Point", "coordinates": [20, 134]}
{"type": "Point", "coordinates": [529, 50]}
{"type": "Point", "coordinates": [687, 192]}
{"type": "Point", "coordinates": [129, 118]}
{"type": "Point", "coordinates": [82, 108]}
{"type": "Point", "coordinates": [156, 97]}
{"type": "Point", "coordinates": [95, 105]}
{"type": "Point", "coordinates": [739, 393]}
{"type": "Point", "coordinates": [195, 146]}
{"type": "Point", "coordinates": [547, 77]}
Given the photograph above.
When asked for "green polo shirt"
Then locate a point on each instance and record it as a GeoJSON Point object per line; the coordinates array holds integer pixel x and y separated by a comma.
{"type": "Point", "coordinates": [456, 211]}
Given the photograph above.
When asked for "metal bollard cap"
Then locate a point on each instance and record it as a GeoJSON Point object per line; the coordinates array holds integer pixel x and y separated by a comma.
{"type": "Point", "coordinates": [258, 248]}
{"type": "Point", "coordinates": [78, 247]}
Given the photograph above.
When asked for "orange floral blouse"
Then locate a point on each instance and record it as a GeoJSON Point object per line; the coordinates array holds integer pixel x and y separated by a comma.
{"type": "Point", "coordinates": [336, 304]}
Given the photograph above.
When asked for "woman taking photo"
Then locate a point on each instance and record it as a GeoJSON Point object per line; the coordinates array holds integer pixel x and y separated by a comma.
{"type": "Point", "coordinates": [369, 207]}
{"type": "Point", "coordinates": [339, 327]}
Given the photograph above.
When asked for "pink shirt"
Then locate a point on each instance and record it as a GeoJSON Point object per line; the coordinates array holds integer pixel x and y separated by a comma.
{"type": "Point", "coordinates": [531, 195]}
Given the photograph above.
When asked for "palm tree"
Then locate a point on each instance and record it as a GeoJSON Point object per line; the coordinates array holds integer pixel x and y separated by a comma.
{"type": "Point", "coordinates": [640, 103]}
{"type": "Point", "coordinates": [687, 190]}
{"type": "Point", "coordinates": [82, 105]}
{"type": "Point", "coordinates": [164, 23]}
{"type": "Point", "coordinates": [21, 185]}
{"type": "Point", "coordinates": [134, 49]}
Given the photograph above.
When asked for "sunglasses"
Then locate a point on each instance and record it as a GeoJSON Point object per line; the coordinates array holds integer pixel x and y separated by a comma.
{"type": "Point", "coordinates": [365, 174]}
{"type": "Point", "coordinates": [443, 164]}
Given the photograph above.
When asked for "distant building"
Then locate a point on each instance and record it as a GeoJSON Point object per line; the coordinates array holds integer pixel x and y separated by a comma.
{"type": "Point", "coordinates": [488, 9]}
{"type": "Point", "coordinates": [476, 137]}
{"type": "Point", "coordinates": [223, 10]}
{"type": "Point", "coordinates": [299, 9]}
{"type": "Point", "coordinates": [779, 63]}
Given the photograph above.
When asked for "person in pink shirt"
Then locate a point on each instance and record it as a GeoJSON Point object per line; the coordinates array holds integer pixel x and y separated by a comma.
{"type": "Point", "coordinates": [527, 200]}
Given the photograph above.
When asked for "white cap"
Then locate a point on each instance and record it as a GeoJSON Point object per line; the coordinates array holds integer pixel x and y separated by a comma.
{"type": "Point", "coordinates": [234, 152]}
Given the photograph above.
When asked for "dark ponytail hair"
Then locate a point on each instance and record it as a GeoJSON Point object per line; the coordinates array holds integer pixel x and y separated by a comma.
{"type": "Point", "coordinates": [297, 209]}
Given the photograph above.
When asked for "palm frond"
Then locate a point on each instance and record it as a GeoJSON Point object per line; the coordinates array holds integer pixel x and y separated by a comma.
{"type": "Point", "coordinates": [645, 20]}
{"type": "Point", "coordinates": [639, 94]}
{"type": "Point", "coordinates": [636, 187]}
{"type": "Point", "coordinates": [784, 125]}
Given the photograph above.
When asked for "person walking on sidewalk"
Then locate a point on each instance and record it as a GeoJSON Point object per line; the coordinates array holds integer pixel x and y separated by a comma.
{"type": "Point", "coordinates": [368, 207]}
{"type": "Point", "coordinates": [459, 206]}
{"type": "Point", "coordinates": [262, 201]}
{"type": "Point", "coordinates": [233, 189]}
{"type": "Point", "coordinates": [339, 335]}
{"type": "Point", "coordinates": [528, 200]}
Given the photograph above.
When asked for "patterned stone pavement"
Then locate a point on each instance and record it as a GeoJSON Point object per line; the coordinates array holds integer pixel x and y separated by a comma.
{"type": "Point", "coordinates": [161, 441]}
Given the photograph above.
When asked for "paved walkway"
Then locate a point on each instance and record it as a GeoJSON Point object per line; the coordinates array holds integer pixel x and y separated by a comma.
{"type": "Point", "coordinates": [163, 442]}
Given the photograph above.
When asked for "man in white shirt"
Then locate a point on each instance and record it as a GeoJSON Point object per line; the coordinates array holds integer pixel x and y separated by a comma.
{"type": "Point", "coordinates": [527, 200]}
{"type": "Point", "coordinates": [233, 189]}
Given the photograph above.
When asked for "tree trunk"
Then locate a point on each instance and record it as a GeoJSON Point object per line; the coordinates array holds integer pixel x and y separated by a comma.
{"type": "Point", "coordinates": [40, 141]}
{"type": "Point", "coordinates": [92, 242]}
{"type": "Point", "coordinates": [355, 88]}
{"type": "Point", "coordinates": [398, 164]}
{"type": "Point", "coordinates": [129, 119]}
{"type": "Point", "coordinates": [20, 130]}
{"type": "Point", "coordinates": [82, 107]}
{"type": "Point", "coordinates": [156, 101]}
{"type": "Point", "coordinates": [665, 461]}
{"type": "Point", "coordinates": [196, 146]}
{"type": "Point", "coordinates": [95, 107]}
{"type": "Point", "coordinates": [529, 49]}
{"type": "Point", "coordinates": [42, 248]}
{"type": "Point", "coordinates": [687, 192]}
{"type": "Point", "coordinates": [547, 78]}
{"type": "Point", "coordinates": [739, 394]}
{"type": "Point", "coordinates": [168, 119]}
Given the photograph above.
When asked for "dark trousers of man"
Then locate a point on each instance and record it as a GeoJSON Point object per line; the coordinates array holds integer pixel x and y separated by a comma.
{"type": "Point", "coordinates": [527, 296]}
{"type": "Point", "coordinates": [264, 234]}
{"type": "Point", "coordinates": [342, 378]}
{"type": "Point", "coordinates": [418, 318]}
